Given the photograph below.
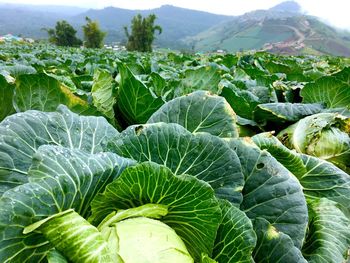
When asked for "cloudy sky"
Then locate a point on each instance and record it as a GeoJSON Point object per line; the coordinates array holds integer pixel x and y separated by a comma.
{"type": "Point", "coordinates": [336, 12]}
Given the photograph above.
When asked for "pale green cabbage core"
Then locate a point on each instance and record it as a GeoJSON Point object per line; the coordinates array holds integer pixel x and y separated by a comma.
{"type": "Point", "coordinates": [145, 240]}
{"type": "Point", "coordinates": [324, 135]}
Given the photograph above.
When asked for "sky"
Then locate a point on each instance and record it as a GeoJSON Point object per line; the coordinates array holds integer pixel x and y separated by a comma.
{"type": "Point", "coordinates": [335, 12]}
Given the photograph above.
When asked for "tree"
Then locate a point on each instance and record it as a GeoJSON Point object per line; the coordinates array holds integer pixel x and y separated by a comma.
{"type": "Point", "coordinates": [142, 33]}
{"type": "Point", "coordinates": [93, 35]}
{"type": "Point", "coordinates": [63, 35]}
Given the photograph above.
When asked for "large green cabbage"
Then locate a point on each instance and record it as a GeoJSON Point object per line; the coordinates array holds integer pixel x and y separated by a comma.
{"type": "Point", "coordinates": [324, 135]}
{"type": "Point", "coordinates": [181, 188]}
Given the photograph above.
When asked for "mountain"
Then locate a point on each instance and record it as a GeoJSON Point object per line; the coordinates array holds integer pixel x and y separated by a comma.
{"type": "Point", "coordinates": [177, 23]}
{"type": "Point", "coordinates": [29, 20]}
{"type": "Point", "coordinates": [57, 9]}
{"type": "Point", "coordinates": [21, 21]}
{"type": "Point", "coordinates": [288, 6]}
{"type": "Point", "coordinates": [281, 29]}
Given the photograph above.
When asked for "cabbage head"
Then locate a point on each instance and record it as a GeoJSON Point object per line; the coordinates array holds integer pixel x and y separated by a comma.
{"type": "Point", "coordinates": [324, 135]}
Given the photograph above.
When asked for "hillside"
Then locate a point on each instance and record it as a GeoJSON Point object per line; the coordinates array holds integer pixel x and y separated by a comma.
{"type": "Point", "coordinates": [282, 29]}
{"type": "Point", "coordinates": [57, 9]}
{"type": "Point", "coordinates": [26, 20]}
{"type": "Point", "coordinates": [177, 23]}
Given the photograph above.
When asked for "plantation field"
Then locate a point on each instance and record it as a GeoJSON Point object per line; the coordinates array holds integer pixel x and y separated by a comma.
{"type": "Point", "coordinates": [169, 157]}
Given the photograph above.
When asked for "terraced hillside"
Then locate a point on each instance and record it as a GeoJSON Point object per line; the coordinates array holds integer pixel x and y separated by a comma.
{"type": "Point", "coordinates": [274, 30]}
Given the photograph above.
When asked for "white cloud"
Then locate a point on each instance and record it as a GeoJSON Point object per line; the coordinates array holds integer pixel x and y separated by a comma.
{"type": "Point", "coordinates": [335, 12]}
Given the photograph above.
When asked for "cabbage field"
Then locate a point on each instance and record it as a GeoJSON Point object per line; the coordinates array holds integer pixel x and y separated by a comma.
{"type": "Point", "coordinates": [169, 157]}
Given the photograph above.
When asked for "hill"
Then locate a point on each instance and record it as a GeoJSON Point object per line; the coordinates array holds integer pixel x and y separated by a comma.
{"type": "Point", "coordinates": [177, 23]}
{"type": "Point", "coordinates": [281, 29]}
{"type": "Point", "coordinates": [23, 20]}
{"type": "Point", "coordinates": [29, 20]}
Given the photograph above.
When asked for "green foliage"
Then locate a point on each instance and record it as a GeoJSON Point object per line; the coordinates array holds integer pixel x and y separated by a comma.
{"type": "Point", "coordinates": [102, 91]}
{"type": "Point", "coordinates": [184, 153]}
{"type": "Point", "coordinates": [198, 112]}
{"type": "Point", "coordinates": [318, 178]}
{"type": "Point", "coordinates": [271, 191]}
{"type": "Point", "coordinates": [324, 135]}
{"type": "Point", "coordinates": [63, 35]}
{"type": "Point", "coordinates": [186, 28]}
{"type": "Point", "coordinates": [19, 144]}
{"type": "Point", "coordinates": [135, 104]}
{"type": "Point", "coordinates": [332, 91]}
{"type": "Point", "coordinates": [76, 179]}
{"type": "Point", "coordinates": [236, 224]}
{"type": "Point", "coordinates": [178, 184]}
{"type": "Point", "coordinates": [322, 244]}
{"type": "Point", "coordinates": [6, 96]}
{"type": "Point", "coordinates": [142, 33]}
{"type": "Point", "coordinates": [93, 36]}
{"type": "Point", "coordinates": [158, 185]}
{"type": "Point", "coordinates": [273, 245]}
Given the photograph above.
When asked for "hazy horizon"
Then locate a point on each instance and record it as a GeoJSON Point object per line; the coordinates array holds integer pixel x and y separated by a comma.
{"type": "Point", "coordinates": [335, 12]}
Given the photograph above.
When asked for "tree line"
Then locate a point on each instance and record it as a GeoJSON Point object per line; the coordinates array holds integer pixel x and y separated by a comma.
{"type": "Point", "coordinates": [140, 38]}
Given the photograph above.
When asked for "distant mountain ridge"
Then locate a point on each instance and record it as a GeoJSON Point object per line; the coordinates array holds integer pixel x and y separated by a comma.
{"type": "Point", "coordinates": [281, 29]}
{"type": "Point", "coordinates": [57, 9]}
{"type": "Point", "coordinates": [287, 6]}
{"type": "Point", "coordinates": [177, 23]}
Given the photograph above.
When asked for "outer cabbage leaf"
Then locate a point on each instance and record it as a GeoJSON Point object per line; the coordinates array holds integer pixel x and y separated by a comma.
{"type": "Point", "coordinates": [204, 77]}
{"type": "Point", "coordinates": [18, 69]}
{"type": "Point", "coordinates": [75, 237]}
{"type": "Point", "coordinates": [343, 75]}
{"type": "Point", "coordinates": [274, 246]}
{"type": "Point", "coordinates": [59, 179]}
{"type": "Point", "coordinates": [199, 112]}
{"type": "Point", "coordinates": [318, 178]}
{"type": "Point", "coordinates": [6, 96]}
{"type": "Point", "coordinates": [285, 112]}
{"type": "Point", "coordinates": [243, 102]}
{"type": "Point", "coordinates": [271, 191]}
{"type": "Point", "coordinates": [38, 92]}
{"type": "Point", "coordinates": [135, 102]}
{"type": "Point", "coordinates": [159, 85]}
{"type": "Point", "coordinates": [44, 93]}
{"type": "Point", "coordinates": [290, 159]}
{"type": "Point", "coordinates": [23, 133]}
{"type": "Point", "coordinates": [201, 155]}
{"type": "Point", "coordinates": [55, 257]}
{"type": "Point", "coordinates": [329, 90]}
{"type": "Point", "coordinates": [65, 80]}
{"type": "Point", "coordinates": [324, 179]}
{"type": "Point", "coordinates": [328, 240]}
{"type": "Point", "coordinates": [236, 239]}
{"type": "Point", "coordinates": [102, 92]}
